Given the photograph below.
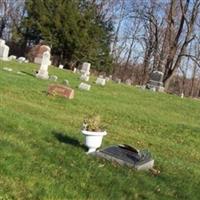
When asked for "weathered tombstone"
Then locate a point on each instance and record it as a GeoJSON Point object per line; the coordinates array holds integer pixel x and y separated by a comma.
{"type": "Point", "coordinates": [43, 71]}
{"type": "Point", "coordinates": [74, 70]}
{"type": "Point", "coordinates": [84, 86]}
{"type": "Point", "coordinates": [4, 50]}
{"type": "Point", "coordinates": [156, 81]}
{"type": "Point", "coordinates": [101, 81]}
{"type": "Point", "coordinates": [128, 156]}
{"type": "Point", "coordinates": [21, 59]}
{"type": "Point", "coordinates": [86, 68]}
{"type": "Point", "coordinates": [37, 52]}
{"type": "Point", "coordinates": [66, 82]}
{"type": "Point", "coordinates": [128, 82]}
{"type": "Point", "coordinates": [53, 78]}
{"type": "Point", "coordinates": [60, 66]}
{"type": "Point", "coordinates": [84, 77]}
{"type": "Point", "coordinates": [118, 80]}
{"type": "Point", "coordinates": [12, 57]}
{"type": "Point", "coordinates": [61, 90]}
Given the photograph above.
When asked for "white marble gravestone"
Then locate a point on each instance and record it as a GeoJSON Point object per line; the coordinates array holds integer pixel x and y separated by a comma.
{"type": "Point", "coordinates": [43, 71]}
{"type": "Point", "coordinates": [86, 68]}
{"type": "Point", "coordinates": [84, 77]}
{"type": "Point", "coordinates": [101, 81]}
{"type": "Point", "coordinates": [4, 50]}
{"type": "Point", "coordinates": [84, 86]}
{"type": "Point", "coordinates": [61, 67]}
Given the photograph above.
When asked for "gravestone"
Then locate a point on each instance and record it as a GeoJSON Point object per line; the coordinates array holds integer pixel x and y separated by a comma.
{"type": "Point", "coordinates": [4, 50]}
{"type": "Point", "coordinates": [86, 68]}
{"type": "Point", "coordinates": [12, 57]}
{"type": "Point", "coordinates": [84, 86]}
{"type": "Point", "coordinates": [118, 80]}
{"type": "Point", "coordinates": [156, 81]}
{"type": "Point", "coordinates": [61, 90]}
{"type": "Point", "coordinates": [74, 70]}
{"type": "Point", "coordinates": [127, 155]}
{"type": "Point", "coordinates": [60, 66]}
{"type": "Point", "coordinates": [101, 81]}
{"type": "Point", "coordinates": [37, 52]}
{"type": "Point", "coordinates": [128, 82]}
{"type": "Point", "coordinates": [21, 59]}
{"type": "Point", "coordinates": [84, 77]}
{"type": "Point", "coordinates": [66, 82]}
{"type": "Point", "coordinates": [53, 78]}
{"type": "Point", "coordinates": [43, 71]}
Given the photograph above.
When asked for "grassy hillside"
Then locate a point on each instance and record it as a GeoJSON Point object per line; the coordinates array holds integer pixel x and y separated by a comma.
{"type": "Point", "coordinates": [41, 147]}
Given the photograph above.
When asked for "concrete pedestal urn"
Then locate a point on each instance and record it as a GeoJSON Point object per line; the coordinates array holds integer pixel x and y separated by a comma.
{"type": "Point", "coordinates": [93, 140]}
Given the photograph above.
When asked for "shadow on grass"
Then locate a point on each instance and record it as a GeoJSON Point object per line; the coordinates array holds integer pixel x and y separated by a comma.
{"type": "Point", "coordinates": [68, 140]}
{"type": "Point", "coordinates": [27, 73]}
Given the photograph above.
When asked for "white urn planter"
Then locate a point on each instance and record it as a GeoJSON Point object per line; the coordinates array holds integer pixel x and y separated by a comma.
{"type": "Point", "coordinates": [93, 140]}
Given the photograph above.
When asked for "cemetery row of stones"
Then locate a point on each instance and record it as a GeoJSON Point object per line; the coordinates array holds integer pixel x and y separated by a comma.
{"type": "Point", "coordinates": [41, 55]}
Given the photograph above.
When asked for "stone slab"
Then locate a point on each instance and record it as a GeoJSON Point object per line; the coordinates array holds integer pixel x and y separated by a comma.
{"type": "Point", "coordinates": [61, 90]}
{"type": "Point", "coordinates": [128, 156]}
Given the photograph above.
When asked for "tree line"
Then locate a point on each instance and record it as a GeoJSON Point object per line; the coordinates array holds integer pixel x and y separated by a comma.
{"type": "Point", "coordinates": [126, 38]}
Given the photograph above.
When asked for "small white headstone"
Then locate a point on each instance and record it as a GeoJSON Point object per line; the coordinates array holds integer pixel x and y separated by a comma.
{"type": "Point", "coordinates": [86, 68]}
{"type": "Point", "coordinates": [101, 81]}
{"type": "Point", "coordinates": [43, 71]}
{"type": "Point", "coordinates": [74, 70]}
{"type": "Point", "coordinates": [128, 82]}
{"type": "Point", "coordinates": [60, 66]}
{"type": "Point", "coordinates": [4, 50]}
{"type": "Point", "coordinates": [21, 59]}
{"type": "Point", "coordinates": [84, 86]}
{"type": "Point", "coordinates": [84, 77]}
{"type": "Point", "coordinates": [12, 57]}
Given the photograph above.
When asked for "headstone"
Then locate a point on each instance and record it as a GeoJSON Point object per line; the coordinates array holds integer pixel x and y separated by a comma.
{"type": "Point", "coordinates": [21, 59]}
{"type": "Point", "coordinates": [156, 81]}
{"type": "Point", "coordinates": [84, 86]}
{"type": "Point", "coordinates": [128, 82]}
{"type": "Point", "coordinates": [101, 81]}
{"type": "Point", "coordinates": [4, 50]}
{"type": "Point", "coordinates": [38, 51]}
{"type": "Point", "coordinates": [182, 95]}
{"type": "Point", "coordinates": [107, 79]}
{"type": "Point", "coordinates": [66, 82]}
{"type": "Point", "coordinates": [12, 57]}
{"type": "Point", "coordinates": [61, 90]}
{"type": "Point", "coordinates": [84, 77]}
{"type": "Point", "coordinates": [43, 71]}
{"type": "Point", "coordinates": [128, 156]}
{"type": "Point", "coordinates": [60, 66]}
{"type": "Point", "coordinates": [53, 78]}
{"type": "Point", "coordinates": [118, 80]}
{"type": "Point", "coordinates": [86, 68]}
{"type": "Point", "coordinates": [74, 70]}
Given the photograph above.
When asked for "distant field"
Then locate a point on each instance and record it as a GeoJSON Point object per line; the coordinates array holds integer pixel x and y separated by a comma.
{"type": "Point", "coordinates": [41, 147]}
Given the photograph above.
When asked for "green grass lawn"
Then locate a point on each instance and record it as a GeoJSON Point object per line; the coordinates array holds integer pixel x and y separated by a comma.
{"type": "Point", "coordinates": [41, 147]}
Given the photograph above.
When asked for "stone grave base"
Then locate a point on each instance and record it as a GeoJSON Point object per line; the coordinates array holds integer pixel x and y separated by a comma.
{"type": "Point", "coordinates": [128, 156]}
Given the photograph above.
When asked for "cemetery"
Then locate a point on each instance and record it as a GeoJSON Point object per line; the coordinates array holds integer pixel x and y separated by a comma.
{"type": "Point", "coordinates": [99, 100]}
{"type": "Point", "coordinates": [43, 152]}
